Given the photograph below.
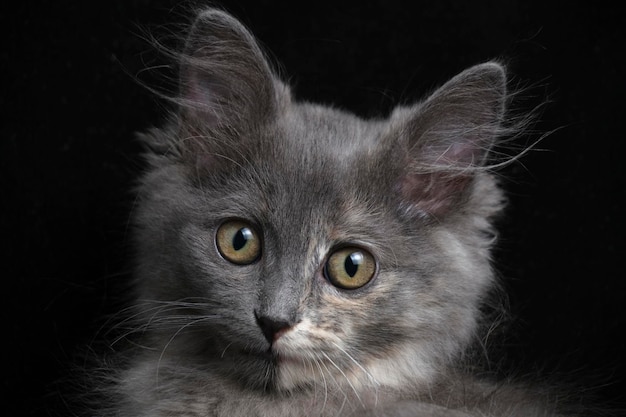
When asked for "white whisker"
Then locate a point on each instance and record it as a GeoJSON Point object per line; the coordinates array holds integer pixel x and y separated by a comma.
{"type": "Point", "coordinates": [224, 351]}
{"type": "Point", "coordinates": [316, 361]}
{"type": "Point", "coordinates": [356, 393]}
{"type": "Point", "coordinates": [191, 323]}
{"type": "Point", "coordinates": [369, 375]}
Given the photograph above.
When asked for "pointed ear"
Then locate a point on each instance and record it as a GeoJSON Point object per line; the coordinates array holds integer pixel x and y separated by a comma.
{"type": "Point", "coordinates": [445, 140]}
{"type": "Point", "coordinates": [227, 90]}
{"type": "Point", "coordinates": [224, 75]}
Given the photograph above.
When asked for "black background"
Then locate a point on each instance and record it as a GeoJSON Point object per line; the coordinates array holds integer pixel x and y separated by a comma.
{"type": "Point", "coordinates": [72, 97]}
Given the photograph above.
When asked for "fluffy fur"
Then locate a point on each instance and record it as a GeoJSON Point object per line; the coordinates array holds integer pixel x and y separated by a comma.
{"type": "Point", "coordinates": [275, 337]}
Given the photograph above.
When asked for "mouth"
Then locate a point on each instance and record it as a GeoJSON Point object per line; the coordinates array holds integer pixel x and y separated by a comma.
{"type": "Point", "coordinates": [263, 355]}
{"type": "Point", "coordinates": [270, 356]}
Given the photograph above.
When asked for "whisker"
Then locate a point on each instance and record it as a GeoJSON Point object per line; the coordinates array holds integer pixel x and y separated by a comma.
{"type": "Point", "coordinates": [158, 315]}
{"type": "Point", "coordinates": [330, 374]}
{"type": "Point", "coordinates": [369, 375]}
{"type": "Point", "coordinates": [316, 362]}
{"type": "Point", "coordinates": [191, 323]}
{"type": "Point", "coordinates": [356, 393]}
{"type": "Point", "coordinates": [226, 348]}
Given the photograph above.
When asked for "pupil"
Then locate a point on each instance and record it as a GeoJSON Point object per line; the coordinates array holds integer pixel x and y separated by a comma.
{"type": "Point", "coordinates": [352, 262]}
{"type": "Point", "coordinates": [242, 237]}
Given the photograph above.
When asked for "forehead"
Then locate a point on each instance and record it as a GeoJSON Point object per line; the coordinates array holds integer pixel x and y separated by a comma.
{"type": "Point", "coordinates": [329, 133]}
{"type": "Point", "coordinates": [315, 157]}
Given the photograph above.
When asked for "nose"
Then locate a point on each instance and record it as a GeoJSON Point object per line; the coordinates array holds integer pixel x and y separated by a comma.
{"type": "Point", "coordinates": [272, 327]}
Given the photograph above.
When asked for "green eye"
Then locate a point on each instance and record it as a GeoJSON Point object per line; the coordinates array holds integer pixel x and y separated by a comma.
{"type": "Point", "coordinates": [350, 268]}
{"type": "Point", "coordinates": [238, 242]}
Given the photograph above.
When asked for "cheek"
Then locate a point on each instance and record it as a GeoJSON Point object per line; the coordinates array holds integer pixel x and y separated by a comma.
{"type": "Point", "coordinates": [341, 317]}
{"type": "Point", "coordinates": [396, 308]}
{"type": "Point", "coordinates": [330, 317]}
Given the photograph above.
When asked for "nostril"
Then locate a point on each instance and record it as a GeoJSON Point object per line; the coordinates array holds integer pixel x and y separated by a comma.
{"type": "Point", "coordinates": [272, 328]}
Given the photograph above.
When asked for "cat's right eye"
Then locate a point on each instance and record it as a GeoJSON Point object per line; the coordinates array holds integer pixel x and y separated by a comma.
{"type": "Point", "coordinates": [238, 242]}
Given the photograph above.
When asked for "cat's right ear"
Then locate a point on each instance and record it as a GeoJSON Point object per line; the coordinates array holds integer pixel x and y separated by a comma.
{"type": "Point", "coordinates": [227, 88]}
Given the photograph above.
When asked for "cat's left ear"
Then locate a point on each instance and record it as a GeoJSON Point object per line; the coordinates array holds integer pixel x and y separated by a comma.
{"type": "Point", "coordinates": [444, 141]}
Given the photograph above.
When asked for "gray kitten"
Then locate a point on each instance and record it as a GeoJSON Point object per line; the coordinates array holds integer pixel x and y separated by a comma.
{"type": "Point", "coordinates": [296, 260]}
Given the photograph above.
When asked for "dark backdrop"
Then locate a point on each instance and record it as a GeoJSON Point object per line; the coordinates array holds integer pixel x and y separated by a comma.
{"type": "Point", "coordinates": [71, 100]}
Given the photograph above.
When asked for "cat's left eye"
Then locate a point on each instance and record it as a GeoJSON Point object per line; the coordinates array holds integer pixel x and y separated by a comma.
{"type": "Point", "coordinates": [238, 242]}
{"type": "Point", "coordinates": [350, 268]}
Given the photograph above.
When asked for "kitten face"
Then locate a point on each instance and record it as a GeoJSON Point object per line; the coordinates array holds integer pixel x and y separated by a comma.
{"type": "Point", "coordinates": [287, 245]}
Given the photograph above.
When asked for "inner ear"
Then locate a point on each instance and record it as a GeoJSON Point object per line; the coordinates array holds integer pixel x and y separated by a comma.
{"type": "Point", "coordinates": [434, 194]}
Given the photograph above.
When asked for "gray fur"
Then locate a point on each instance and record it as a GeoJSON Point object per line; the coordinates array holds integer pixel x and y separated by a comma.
{"type": "Point", "coordinates": [412, 189]}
